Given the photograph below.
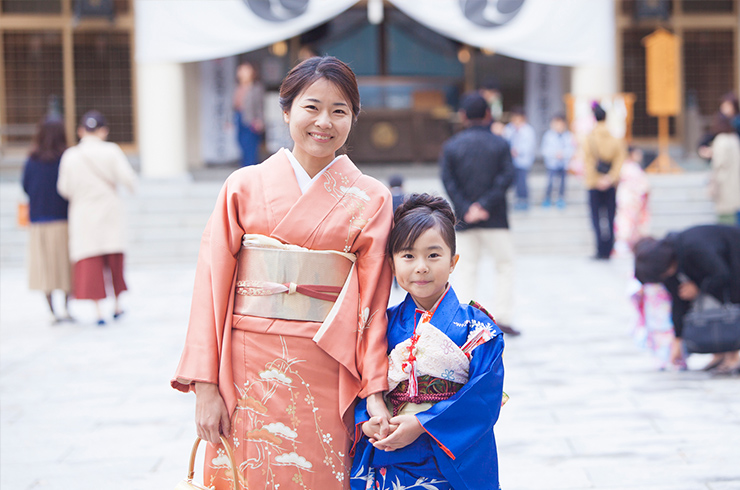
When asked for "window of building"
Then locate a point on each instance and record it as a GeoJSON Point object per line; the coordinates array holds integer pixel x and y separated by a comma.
{"type": "Point", "coordinates": [34, 83]}
{"type": "Point", "coordinates": [708, 6]}
{"type": "Point", "coordinates": [31, 6]}
{"type": "Point", "coordinates": [103, 80]}
{"type": "Point", "coordinates": [46, 72]}
{"type": "Point", "coordinates": [708, 66]}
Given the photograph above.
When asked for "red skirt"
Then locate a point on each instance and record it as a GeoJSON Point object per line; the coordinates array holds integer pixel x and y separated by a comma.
{"type": "Point", "coordinates": [90, 276]}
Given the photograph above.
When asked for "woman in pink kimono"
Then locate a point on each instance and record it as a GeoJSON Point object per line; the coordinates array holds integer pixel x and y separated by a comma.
{"type": "Point", "coordinates": [287, 325]}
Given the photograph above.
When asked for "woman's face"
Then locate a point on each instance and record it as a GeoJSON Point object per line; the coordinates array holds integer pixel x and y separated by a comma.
{"type": "Point", "coordinates": [245, 73]}
{"type": "Point", "coordinates": [319, 119]}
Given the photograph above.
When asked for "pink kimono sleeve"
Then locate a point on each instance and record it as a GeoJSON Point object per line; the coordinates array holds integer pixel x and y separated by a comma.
{"type": "Point", "coordinates": [206, 353]}
{"type": "Point", "coordinates": [374, 278]}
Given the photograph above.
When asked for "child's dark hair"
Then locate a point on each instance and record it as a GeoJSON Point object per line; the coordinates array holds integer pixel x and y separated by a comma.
{"type": "Point", "coordinates": [417, 214]}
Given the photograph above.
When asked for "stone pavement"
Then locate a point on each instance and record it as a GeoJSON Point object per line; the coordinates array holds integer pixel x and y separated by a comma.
{"type": "Point", "coordinates": [91, 408]}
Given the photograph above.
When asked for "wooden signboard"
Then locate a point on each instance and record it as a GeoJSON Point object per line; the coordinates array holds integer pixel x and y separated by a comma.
{"type": "Point", "coordinates": [661, 73]}
{"type": "Point", "coordinates": [663, 89]}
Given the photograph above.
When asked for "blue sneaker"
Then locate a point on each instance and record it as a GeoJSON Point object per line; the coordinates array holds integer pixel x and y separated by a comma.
{"type": "Point", "coordinates": [546, 203]}
{"type": "Point", "coordinates": [101, 323]}
{"type": "Point", "coordinates": [561, 203]}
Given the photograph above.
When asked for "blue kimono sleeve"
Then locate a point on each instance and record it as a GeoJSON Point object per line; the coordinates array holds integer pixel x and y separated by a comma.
{"type": "Point", "coordinates": [457, 423]}
{"type": "Point", "coordinates": [361, 416]}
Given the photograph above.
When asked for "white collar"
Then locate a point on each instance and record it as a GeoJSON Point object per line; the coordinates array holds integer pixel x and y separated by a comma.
{"type": "Point", "coordinates": [304, 180]}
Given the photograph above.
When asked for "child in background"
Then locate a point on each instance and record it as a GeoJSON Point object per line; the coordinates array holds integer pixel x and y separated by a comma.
{"type": "Point", "coordinates": [632, 216]}
{"type": "Point", "coordinates": [396, 186]}
{"type": "Point", "coordinates": [558, 147]}
{"type": "Point", "coordinates": [445, 370]}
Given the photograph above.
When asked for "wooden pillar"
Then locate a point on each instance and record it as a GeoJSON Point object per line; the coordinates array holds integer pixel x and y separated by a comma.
{"type": "Point", "coordinates": [68, 70]}
{"type": "Point", "coordinates": [3, 92]}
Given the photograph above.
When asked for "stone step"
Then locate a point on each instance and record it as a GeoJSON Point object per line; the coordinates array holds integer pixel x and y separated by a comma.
{"type": "Point", "coordinates": [166, 218]}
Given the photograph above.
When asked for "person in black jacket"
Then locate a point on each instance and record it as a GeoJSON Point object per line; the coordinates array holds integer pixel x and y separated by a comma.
{"type": "Point", "coordinates": [476, 171]}
{"type": "Point", "coordinates": [702, 259]}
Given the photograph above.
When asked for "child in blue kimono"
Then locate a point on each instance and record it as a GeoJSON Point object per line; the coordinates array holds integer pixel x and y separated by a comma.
{"type": "Point", "coordinates": [445, 371]}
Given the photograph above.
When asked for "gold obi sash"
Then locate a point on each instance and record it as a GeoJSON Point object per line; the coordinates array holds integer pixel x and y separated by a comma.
{"type": "Point", "coordinates": [275, 280]}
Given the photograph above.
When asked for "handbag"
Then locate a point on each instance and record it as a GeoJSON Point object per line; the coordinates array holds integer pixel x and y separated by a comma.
{"type": "Point", "coordinates": [188, 484]}
{"type": "Point", "coordinates": [22, 216]}
{"type": "Point", "coordinates": [602, 166]}
{"type": "Point", "coordinates": [712, 329]}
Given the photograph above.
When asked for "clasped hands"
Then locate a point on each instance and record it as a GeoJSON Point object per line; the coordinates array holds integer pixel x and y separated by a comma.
{"type": "Point", "coordinates": [400, 431]}
{"type": "Point", "coordinates": [475, 214]}
{"type": "Point", "coordinates": [389, 433]}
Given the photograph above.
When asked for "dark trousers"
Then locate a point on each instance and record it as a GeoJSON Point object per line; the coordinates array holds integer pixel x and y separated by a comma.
{"type": "Point", "coordinates": [603, 206]}
{"type": "Point", "coordinates": [520, 183]}
{"type": "Point", "coordinates": [249, 141]}
{"type": "Point", "coordinates": [552, 175]}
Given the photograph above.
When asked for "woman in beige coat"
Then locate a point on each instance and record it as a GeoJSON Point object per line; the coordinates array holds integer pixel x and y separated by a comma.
{"type": "Point", "coordinates": [89, 175]}
{"type": "Point", "coordinates": [724, 183]}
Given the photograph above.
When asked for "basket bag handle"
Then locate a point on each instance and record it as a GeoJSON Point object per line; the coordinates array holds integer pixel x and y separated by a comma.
{"type": "Point", "coordinates": [229, 453]}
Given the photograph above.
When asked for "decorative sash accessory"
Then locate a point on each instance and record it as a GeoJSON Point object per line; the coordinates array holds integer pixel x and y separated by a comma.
{"type": "Point", "coordinates": [430, 390]}
{"type": "Point", "coordinates": [429, 367]}
{"type": "Point", "coordinates": [188, 484]}
{"type": "Point", "coordinates": [275, 280]}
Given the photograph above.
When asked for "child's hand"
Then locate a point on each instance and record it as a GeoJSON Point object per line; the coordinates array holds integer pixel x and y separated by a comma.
{"type": "Point", "coordinates": [377, 409]}
{"type": "Point", "coordinates": [407, 431]}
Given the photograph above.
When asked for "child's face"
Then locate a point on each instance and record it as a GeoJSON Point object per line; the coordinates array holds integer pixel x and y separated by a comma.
{"type": "Point", "coordinates": [424, 269]}
{"type": "Point", "coordinates": [557, 125]}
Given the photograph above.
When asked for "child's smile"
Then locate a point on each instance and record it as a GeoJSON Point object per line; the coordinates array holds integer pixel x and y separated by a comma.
{"type": "Point", "coordinates": [423, 270]}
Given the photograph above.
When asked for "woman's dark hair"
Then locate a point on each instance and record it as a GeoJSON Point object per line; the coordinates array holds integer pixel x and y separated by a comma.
{"type": "Point", "coordinates": [313, 69]}
{"type": "Point", "coordinates": [653, 258]}
{"type": "Point", "coordinates": [417, 214]}
{"type": "Point", "coordinates": [599, 112]}
{"type": "Point", "coordinates": [49, 142]}
{"type": "Point", "coordinates": [721, 124]}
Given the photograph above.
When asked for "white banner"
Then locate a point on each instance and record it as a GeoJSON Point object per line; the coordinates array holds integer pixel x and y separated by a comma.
{"type": "Point", "coordinates": [543, 93]}
{"type": "Point", "coordinates": [553, 32]}
{"type": "Point", "coordinates": [217, 130]}
{"type": "Point", "coordinates": [182, 31]}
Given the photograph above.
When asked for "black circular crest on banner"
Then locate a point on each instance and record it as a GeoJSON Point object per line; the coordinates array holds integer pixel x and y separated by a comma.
{"type": "Point", "coordinates": [490, 13]}
{"type": "Point", "coordinates": [277, 10]}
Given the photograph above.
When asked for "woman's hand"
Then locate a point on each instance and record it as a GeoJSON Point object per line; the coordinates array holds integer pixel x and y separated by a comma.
{"type": "Point", "coordinates": [688, 291]}
{"type": "Point", "coordinates": [372, 428]}
{"type": "Point", "coordinates": [211, 416]}
{"type": "Point", "coordinates": [377, 408]}
{"type": "Point", "coordinates": [407, 431]}
{"type": "Point", "coordinates": [604, 182]}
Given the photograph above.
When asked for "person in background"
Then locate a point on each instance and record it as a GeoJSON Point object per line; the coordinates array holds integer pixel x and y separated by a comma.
{"type": "Point", "coordinates": [89, 176]}
{"type": "Point", "coordinates": [249, 112]}
{"type": "Point", "coordinates": [558, 147]}
{"type": "Point", "coordinates": [603, 155]}
{"type": "Point", "coordinates": [703, 259]}
{"type": "Point", "coordinates": [49, 268]}
{"type": "Point", "coordinates": [729, 107]}
{"type": "Point", "coordinates": [632, 216]}
{"type": "Point", "coordinates": [476, 171]}
{"type": "Point", "coordinates": [523, 143]}
{"type": "Point", "coordinates": [491, 91]}
{"type": "Point", "coordinates": [724, 181]}
{"type": "Point", "coordinates": [396, 185]}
